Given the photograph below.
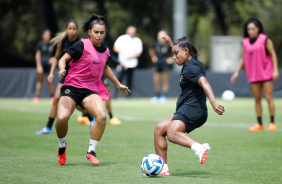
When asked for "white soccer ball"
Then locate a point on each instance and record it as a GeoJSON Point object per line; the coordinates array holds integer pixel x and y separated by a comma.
{"type": "Point", "coordinates": [228, 95]}
{"type": "Point", "coordinates": [152, 165]}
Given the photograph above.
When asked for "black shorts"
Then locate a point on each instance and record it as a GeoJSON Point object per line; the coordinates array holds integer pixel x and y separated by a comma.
{"type": "Point", "coordinates": [46, 68]}
{"type": "Point", "coordinates": [105, 81]}
{"type": "Point", "coordinates": [161, 67]}
{"type": "Point", "coordinates": [77, 94]}
{"type": "Point", "coordinates": [193, 117]}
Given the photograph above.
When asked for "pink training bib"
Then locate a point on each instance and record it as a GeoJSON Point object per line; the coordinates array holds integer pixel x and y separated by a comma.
{"type": "Point", "coordinates": [88, 70]}
{"type": "Point", "coordinates": [258, 65]}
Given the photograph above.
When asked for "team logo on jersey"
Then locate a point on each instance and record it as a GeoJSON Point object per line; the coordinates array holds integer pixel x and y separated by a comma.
{"type": "Point", "coordinates": [181, 77]}
{"type": "Point", "coordinates": [67, 91]}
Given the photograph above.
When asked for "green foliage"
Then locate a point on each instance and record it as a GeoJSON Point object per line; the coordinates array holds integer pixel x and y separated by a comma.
{"type": "Point", "coordinates": [23, 21]}
{"type": "Point", "coordinates": [236, 156]}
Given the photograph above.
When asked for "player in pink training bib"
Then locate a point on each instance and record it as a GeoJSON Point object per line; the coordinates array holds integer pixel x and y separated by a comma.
{"type": "Point", "coordinates": [83, 85]}
{"type": "Point", "coordinates": [260, 62]}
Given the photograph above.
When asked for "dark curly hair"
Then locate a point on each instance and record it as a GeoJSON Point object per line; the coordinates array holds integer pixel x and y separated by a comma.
{"type": "Point", "coordinates": [183, 42]}
{"type": "Point", "coordinates": [94, 19]}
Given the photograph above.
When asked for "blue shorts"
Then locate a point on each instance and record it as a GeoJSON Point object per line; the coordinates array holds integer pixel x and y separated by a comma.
{"type": "Point", "coordinates": [77, 94]}
{"type": "Point", "coordinates": [193, 117]}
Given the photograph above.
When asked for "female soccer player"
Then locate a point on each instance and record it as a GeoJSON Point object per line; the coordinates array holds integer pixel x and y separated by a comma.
{"type": "Point", "coordinates": [191, 110]}
{"type": "Point", "coordinates": [83, 85]}
{"type": "Point", "coordinates": [161, 57]}
{"type": "Point", "coordinates": [63, 41]}
{"type": "Point", "coordinates": [260, 62]}
{"type": "Point", "coordinates": [44, 50]}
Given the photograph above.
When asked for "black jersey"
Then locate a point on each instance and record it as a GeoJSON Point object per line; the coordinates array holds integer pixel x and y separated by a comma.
{"type": "Point", "coordinates": [162, 51]}
{"type": "Point", "coordinates": [46, 51]}
{"type": "Point", "coordinates": [191, 93]}
{"type": "Point", "coordinates": [65, 45]}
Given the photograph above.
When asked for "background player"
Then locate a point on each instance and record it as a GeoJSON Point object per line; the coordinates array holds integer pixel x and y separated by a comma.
{"type": "Point", "coordinates": [63, 41]}
{"type": "Point", "coordinates": [260, 62]}
{"type": "Point", "coordinates": [161, 57]}
{"type": "Point", "coordinates": [43, 53]}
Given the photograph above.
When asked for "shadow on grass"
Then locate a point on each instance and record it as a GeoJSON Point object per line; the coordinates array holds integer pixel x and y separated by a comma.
{"type": "Point", "coordinates": [194, 174]}
{"type": "Point", "coordinates": [87, 163]}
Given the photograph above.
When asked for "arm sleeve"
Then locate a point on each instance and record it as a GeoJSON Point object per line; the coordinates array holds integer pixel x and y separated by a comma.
{"type": "Point", "coordinates": [193, 73]}
{"type": "Point", "coordinates": [38, 46]}
{"type": "Point", "coordinates": [139, 45]}
{"type": "Point", "coordinates": [76, 50]}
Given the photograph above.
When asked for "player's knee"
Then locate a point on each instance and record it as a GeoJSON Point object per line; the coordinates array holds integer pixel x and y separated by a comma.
{"type": "Point", "coordinates": [101, 117]}
{"type": "Point", "coordinates": [171, 136]}
{"type": "Point", "coordinates": [160, 130]}
{"type": "Point", "coordinates": [62, 117]}
{"type": "Point", "coordinates": [268, 96]}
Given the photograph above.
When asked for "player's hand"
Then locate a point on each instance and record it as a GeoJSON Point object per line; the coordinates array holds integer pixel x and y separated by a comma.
{"type": "Point", "coordinates": [124, 67]}
{"type": "Point", "coordinates": [62, 73]}
{"type": "Point", "coordinates": [275, 75]}
{"type": "Point", "coordinates": [154, 59]}
{"type": "Point", "coordinates": [219, 109]}
{"type": "Point", "coordinates": [50, 78]}
{"type": "Point", "coordinates": [39, 69]}
{"type": "Point", "coordinates": [234, 77]}
{"type": "Point", "coordinates": [123, 90]}
{"type": "Point", "coordinates": [167, 40]}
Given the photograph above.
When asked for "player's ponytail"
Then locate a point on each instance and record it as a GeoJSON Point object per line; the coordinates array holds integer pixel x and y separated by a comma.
{"type": "Point", "coordinates": [93, 19]}
{"type": "Point", "coordinates": [62, 35]}
{"type": "Point", "coordinates": [183, 42]}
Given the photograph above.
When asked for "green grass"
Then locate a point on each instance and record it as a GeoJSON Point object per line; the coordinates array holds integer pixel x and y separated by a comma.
{"type": "Point", "coordinates": [237, 155]}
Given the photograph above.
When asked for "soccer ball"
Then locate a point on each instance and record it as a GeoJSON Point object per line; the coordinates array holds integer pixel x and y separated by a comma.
{"type": "Point", "coordinates": [152, 165]}
{"type": "Point", "coordinates": [228, 95]}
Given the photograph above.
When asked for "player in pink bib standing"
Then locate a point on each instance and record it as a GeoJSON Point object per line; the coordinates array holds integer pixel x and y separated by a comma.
{"type": "Point", "coordinates": [83, 85]}
{"type": "Point", "coordinates": [260, 62]}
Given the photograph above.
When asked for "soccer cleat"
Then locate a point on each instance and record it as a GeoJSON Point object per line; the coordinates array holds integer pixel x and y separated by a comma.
{"type": "Point", "coordinates": [271, 127]}
{"type": "Point", "coordinates": [36, 100]}
{"type": "Point", "coordinates": [155, 99]}
{"type": "Point", "coordinates": [203, 153]}
{"type": "Point", "coordinates": [91, 124]}
{"type": "Point", "coordinates": [163, 99]}
{"type": "Point", "coordinates": [45, 130]}
{"type": "Point", "coordinates": [165, 173]}
{"type": "Point", "coordinates": [92, 157]}
{"type": "Point", "coordinates": [83, 120]}
{"type": "Point", "coordinates": [63, 157]}
{"type": "Point", "coordinates": [256, 127]}
{"type": "Point", "coordinates": [51, 99]}
{"type": "Point", "coordinates": [114, 121]}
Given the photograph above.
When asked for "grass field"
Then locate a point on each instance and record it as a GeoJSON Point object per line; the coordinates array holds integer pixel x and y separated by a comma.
{"type": "Point", "coordinates": [236, 155]}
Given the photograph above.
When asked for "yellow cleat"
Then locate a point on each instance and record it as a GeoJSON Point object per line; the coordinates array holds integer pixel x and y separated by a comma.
{"type": "Point", "coordinates": [114, 121]}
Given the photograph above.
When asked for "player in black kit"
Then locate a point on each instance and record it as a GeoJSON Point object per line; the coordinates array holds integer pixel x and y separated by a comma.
{"type": "Point", "coordinates": [62, 41]}
{"type": "Point", "coordinates": [191, 110]}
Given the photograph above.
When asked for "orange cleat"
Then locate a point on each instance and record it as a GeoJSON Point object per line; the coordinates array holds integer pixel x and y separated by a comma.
{"type": "Point", "coordinates": [51, 99]}
{"type": "Point", "coordinates": [92, 157]}
{"type": "Point", "coordinates": [114, 121]}
{"type": "Point", "coordinates": [36, 100]}
{"type": "Point", "coordinates": [256, 127]}
{"type": "Point", "coordinates": [83, 120]}
{"type": "Point", "coordinates": [165, 173]}
{"type": "Point", "coordinates": [271, 127]}
{"type": "Point", "coordinates": [62, 158]}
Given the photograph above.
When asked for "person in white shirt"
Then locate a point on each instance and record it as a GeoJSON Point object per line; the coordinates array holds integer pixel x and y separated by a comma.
{"type": "Point", "coordinates": [129, 48]}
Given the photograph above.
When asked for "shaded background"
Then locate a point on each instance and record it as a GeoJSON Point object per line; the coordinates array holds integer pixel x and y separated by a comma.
{"type": "Point", "coordinates": [22, 22]}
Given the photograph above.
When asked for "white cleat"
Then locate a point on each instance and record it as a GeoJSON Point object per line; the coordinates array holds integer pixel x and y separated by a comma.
{"type": "Point", "coordinates": [203, 153]}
